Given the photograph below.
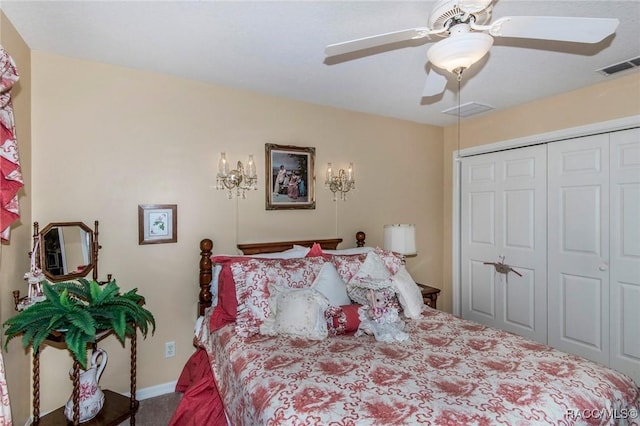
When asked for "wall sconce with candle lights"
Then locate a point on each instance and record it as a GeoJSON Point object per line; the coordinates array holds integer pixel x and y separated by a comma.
{"type": "Point", "coordinates": [241, 179]}
{"type": "Point", "coordinates": [341, 182]}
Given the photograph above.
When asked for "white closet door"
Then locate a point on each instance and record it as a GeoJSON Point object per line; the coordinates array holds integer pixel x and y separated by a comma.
{"type": "Point", "coordinates": [625, 252]}
{"type": "Point", "coordinates": [503, 213]}
{"type": "Point", "coordinates": [578, 260]}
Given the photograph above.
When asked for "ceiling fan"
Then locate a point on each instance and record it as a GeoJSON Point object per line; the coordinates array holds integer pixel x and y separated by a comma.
{"type": "Point", "coordinates": [468, 36]}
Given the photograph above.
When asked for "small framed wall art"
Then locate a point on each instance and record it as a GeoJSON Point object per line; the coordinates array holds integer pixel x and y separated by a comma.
{"type": "Point", "coordinates": [290, 180]}
{"type": "Point", "coordinates": [157, 223]}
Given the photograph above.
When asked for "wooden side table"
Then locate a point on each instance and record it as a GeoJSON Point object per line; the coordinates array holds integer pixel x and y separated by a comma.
{"type": "Point", "coordinates": [117, 408]}
{"type": "Point", "coordinates": [429, 295]}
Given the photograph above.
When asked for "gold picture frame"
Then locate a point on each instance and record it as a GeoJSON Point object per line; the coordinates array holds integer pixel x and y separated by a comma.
{"type": "Point", "coordinates": [290, 177]}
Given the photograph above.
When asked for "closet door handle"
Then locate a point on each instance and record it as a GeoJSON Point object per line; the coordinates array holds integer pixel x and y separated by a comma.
{"type": "Point", "coordinates": [603, 267]}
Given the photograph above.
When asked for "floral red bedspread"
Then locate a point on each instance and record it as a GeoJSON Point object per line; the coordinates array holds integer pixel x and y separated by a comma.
{"type": "Point", "coordinates": [450, 372]}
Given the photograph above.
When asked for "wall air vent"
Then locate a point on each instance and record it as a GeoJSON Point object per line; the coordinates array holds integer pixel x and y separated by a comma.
{"type": "Point", "coordinates": [468, 109]}
{"type": "Point", "coordinates": [620, 66]}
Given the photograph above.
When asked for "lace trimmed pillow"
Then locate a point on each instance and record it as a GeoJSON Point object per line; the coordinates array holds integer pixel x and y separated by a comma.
{"type": "Point", "coordinates": [296, 312]}
{"type": "Point", "coordinates": [252, 278]}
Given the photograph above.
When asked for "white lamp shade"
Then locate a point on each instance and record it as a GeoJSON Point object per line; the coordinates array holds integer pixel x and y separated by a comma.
{"type": "Point", "coordinates": [400, 238]}
{"type": "Point", "coordinates": [459, 51]}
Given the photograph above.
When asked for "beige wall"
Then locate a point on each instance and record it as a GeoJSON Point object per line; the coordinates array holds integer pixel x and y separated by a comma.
{"type": "Point", "coordinates": [138, 137]}
{"type": "Point", "coordinates": [612, 99]}
{"type": "Point", "coordinates": [14, 261]}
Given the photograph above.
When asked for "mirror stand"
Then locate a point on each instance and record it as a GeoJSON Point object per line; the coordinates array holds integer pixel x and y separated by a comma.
{"type": "Point", "coordinates": [56, 246]}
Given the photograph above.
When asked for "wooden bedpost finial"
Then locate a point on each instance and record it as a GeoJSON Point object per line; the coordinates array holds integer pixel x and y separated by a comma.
{"type": "Point", "coordinates": [206, 245]}
{"type": "Point", "coordinates": [360, 237]}
{"type": "Point", "coordinates": [205, 297]}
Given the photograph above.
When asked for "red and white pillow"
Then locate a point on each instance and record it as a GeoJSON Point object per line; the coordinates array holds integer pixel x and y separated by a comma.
{"type": "Point", "coordinates": [252, 278]}
{"type": "Point", "coordinates": [342, 319]}
{"type": "Point", "coordinates": [223, 287]}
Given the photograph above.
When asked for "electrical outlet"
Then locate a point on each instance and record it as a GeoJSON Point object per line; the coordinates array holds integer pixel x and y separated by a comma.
{"type": "Point", "coordinates": [169, 349]}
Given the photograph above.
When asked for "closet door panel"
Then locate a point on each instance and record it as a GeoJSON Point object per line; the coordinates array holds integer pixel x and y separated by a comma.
{"type": "Point", "coordinates": [580, 220]}
{"type": "Point", "coordinates": [578, 246]}
{"type": "Point", "coordinates": [581, 309]}
{"type": "Point", "coordinates": [503, 207]}
{"type": "Point", "coordinates": [625, 252]}
{"type": "Point", "coordinates": [480, 208]}
{"type": "Point", "coordinates": [481, 297]}
{"type": "Point", "coordinates": [519, 312]}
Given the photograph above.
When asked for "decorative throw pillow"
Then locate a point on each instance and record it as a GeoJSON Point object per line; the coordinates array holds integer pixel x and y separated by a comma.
{"type": "Point", "coordinates": [409, 294]}
{"type": "Point", "coordinates": [296, 312]}
{"type": "Point", "coordinates": [329, 283]}
{"type": "Point", "coordinates": [316, 250]}
{"type": "Point", "coordinates": [223, 287]}
{"type": "Point", "coordinates": [348, 265]}
{"type": "Point", "coordinates": [226, 308]}
{"type": "Point", "coordinates": [372, 275]}
{"type": "Point", "coordinates": [393, 261]}
{"type": "Point", "coordinates": [342, 319]}
{"type": "Point", "coordinates": [252, 278]}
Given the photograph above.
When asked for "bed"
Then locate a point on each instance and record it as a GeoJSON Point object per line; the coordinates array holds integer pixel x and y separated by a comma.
{"type": "Point", "coordinates": [448, 372]}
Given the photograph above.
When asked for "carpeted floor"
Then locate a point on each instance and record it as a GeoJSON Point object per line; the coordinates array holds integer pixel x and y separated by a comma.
{"type": "Point", "coordinates": [156, 411]}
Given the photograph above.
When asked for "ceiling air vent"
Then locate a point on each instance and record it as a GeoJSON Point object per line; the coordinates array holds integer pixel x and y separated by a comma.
{"type": "Point", "coordinates": [620, 66]}
{"type": "Point", "coordinates": [468, 109]}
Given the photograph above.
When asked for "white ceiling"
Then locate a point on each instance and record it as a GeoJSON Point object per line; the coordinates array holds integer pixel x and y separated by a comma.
{"type": "Point", "coordinates": [277, 48]}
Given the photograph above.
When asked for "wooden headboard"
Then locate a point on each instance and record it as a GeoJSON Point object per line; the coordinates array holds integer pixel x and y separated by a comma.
{"type": "Point", "coordinates": [206, 267]}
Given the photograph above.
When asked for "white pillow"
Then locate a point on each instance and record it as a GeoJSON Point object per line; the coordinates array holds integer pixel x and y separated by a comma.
{"type": "Point", "coordinates": [329, 283]}
{"type": "Point", "coordinates": [409, 294]}
{"type": "Point", "coordinates": [349, 251]}
{"type": "Point", "coordinates": [296, 312]}
{"type": "Point", "coordinates": [293, 253]}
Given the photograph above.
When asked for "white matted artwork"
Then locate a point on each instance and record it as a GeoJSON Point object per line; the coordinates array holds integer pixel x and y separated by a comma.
{"type": "Point", "coordinates": [157, 223]}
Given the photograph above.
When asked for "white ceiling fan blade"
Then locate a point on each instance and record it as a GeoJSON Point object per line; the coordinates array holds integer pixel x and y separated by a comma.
{"type": "Point", "coordinates": [578, 30]}
{"type": "Point", "coordinates": [435, 84]}
{"type": "Point", "coordinates": [377, 40]}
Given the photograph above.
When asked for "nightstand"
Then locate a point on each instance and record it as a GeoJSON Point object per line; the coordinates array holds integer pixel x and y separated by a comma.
{"type": "Point", "coordinates": [429, 295]}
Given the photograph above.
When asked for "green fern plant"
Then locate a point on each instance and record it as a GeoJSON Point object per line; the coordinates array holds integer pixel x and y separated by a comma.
{"type": "Point", "coordinates": [81, 309]}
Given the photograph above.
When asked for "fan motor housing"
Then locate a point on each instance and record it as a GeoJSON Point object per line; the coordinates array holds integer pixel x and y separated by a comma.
{"type": "Point", "coordinates": [446, 10]}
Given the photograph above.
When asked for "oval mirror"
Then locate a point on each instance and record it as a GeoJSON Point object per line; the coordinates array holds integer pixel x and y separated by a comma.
{"type": "Point", "coordinates": [66, 250]}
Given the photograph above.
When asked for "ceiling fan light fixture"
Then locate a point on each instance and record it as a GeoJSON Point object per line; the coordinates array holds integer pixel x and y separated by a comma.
{"type": "Point", "coordinates": [473, 6]}
{"type": "Point", "coordinates": [459, 51]}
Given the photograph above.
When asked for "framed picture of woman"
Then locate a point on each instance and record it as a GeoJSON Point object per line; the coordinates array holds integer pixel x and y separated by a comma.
{"type": "Point", "coordinates": [290, 179]}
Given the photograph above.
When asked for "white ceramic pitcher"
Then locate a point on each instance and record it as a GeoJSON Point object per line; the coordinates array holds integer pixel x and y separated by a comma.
{"type": "Point", "coordinates": [91, 397]}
